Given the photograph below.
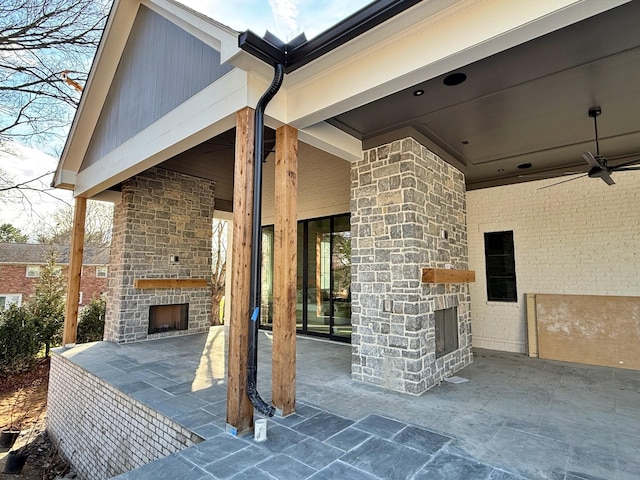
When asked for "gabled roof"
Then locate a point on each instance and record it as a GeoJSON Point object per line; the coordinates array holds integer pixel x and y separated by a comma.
{"type": "Point", "coordinates": [37, 253]}
{"type": "Point", "coordinates": [340, 95]}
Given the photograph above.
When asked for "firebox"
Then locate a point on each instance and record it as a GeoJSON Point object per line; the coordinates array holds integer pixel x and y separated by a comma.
{"type": "Point", "coordinates": [168, 318]}
{"type": "Point", "coordinates": [446, 331]}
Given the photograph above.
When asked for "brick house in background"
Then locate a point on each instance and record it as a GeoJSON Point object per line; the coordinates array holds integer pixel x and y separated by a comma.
{"type": "Point", "coordinates": [20, 265]}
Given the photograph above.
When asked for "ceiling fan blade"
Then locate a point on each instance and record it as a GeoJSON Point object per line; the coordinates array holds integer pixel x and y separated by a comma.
{"type": "Point", "coordinates": [563, 181]}
{"type": "Point", "coordinates": [591, 160]}
{"type": "Point", "coordinates": [625, 169]}
{"type": "Point", "coordinates": [624, 164]}
{"type": "Point", "coordinates": [606, 178]}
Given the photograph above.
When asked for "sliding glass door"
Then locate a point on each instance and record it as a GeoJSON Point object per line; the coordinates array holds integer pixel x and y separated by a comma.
{"type": "Point", "coordinates": [323, 278]}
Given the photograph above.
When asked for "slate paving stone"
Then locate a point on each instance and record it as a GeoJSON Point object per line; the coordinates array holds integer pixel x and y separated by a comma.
{"type": "Point", "coordinates": [214, 449]}
{"type": "Point", "coordinates": [421, 439]}
{"type": "Point", "coordinates": [152, 396]}
{"type": "Point", "coordinates": [341, 471]}
{"type": "Point", "coordinates": [195, 419]}
{"type": "Point", "coordinates": [237, 462]}
{"type": "Point", "coordinates": [252, 474]}
{"type": "Point", "coordinates": [279, 438]}
{"type": "Point", "coordinates": [323, 425]}
{"type": "Point", "coordinates": [381, 426]}
{"type": "Point", "coordinates": [348, 439]}
{"type": "Point", "coordinates": [581, 476]}
{"type": "Point", "coordinates": [134, 387]}
{"type": "Point", "coordinates": [284, 467]}
{"type": "Point", "coordinates": [451, 467]}
{"type": "Point", "coordinates": [184, 387]}
{"type": "Point", "coordinates": [502, 475]}
{"type": "Point", "coordinates": [209, 430]}
{"type": "Point", "coordinates": [314, 453]}
{"type": "Point", "coordinates": [386, 459]}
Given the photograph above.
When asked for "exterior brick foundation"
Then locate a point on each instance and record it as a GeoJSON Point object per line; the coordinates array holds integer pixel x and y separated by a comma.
{"type": "Point", "coordinates": [403, 198]}
{"type": "Point", "coordinates": [102, 431]}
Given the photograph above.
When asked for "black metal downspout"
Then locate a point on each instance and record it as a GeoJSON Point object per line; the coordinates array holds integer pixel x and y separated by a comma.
{"type": "Point", "coordinates": [256, 245]}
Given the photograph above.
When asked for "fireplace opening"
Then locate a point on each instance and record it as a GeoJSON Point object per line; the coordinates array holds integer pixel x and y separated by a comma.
{"type": "Point", "coordinates": [446, 331]}
{"type": "Point", "coordinates": [168, 318]}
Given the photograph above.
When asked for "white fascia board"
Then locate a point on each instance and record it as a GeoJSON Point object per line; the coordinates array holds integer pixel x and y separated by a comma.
{"type": "Point", "coordinates": [110, 196]}
{"type": "Point", "coordinates": [461, 34]}
{"type": "Point", "coordinates": [333, 140]}
{"type": "Point", "coordinates": [208, 113]}
{"type": "Point", "coordinates": [214, 34]}
{"type": "Point", "coordinates": [104, 67]}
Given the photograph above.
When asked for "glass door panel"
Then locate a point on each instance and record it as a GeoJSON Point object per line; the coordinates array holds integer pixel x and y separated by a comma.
{"type": "Point", "coordinates": [319, 276]}
{"type": "Point", "coordinates": [266, 297]}
{"type": "Point", "coordinates": [301, 301]}
{"type": "Point", "coordinates": [341, 277]}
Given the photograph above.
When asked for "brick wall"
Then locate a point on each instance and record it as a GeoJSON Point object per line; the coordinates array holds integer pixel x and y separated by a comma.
{"type": "Point", "coordinates": [102, 431]}
{"type": "Point", "coordinates": [579, 238]}
{"type": "Point", "coordinates": [162, 213]}
{"type": "Point", "coordinates": [403, 196]}
{"type": "Point", "coordinates": [323, 185]}
{"type": "Point", "coordinates": [13, 280]}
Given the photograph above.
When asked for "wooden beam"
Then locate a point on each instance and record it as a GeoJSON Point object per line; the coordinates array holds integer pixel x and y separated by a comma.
{"type": "Point", "coordinates": [446, 275]}
{"type": "Point", "coordinates": [170, 283]}
{"type": "Point", "coordinates": [239, 407]}
{"type": "Point", "coordinates": [285, 270]}
{"type": "Point", "coordinates": [70, 328]}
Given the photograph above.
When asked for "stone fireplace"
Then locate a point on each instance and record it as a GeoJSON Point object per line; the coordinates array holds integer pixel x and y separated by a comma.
{"type": "Point", "coordinates": [407, 213]}
{"type": "Point", "coordinates": [160, 265]}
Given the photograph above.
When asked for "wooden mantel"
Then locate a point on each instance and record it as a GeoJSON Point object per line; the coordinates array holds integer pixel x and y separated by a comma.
{"type": "Point", "coordinates": [169, 283]}
{"type": "Point", "coordinates": [447, 275]}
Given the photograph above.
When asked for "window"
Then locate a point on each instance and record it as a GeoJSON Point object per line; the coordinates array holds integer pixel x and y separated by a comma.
{"type": "Point", "coordinates": [501, 267]}
{"type": "Point", "coordinates": [33, 271]}
{"type": "Point", "coordinates": [7, 299]}
{"type": "Point", "coordinates": [80, 299]}
{"type": "Point", "coordinates": [101, 272]}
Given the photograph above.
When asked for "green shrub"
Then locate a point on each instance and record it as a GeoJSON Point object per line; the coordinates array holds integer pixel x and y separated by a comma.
{"type": "Point", "coordinates": [19, 340]}
{"type": "Point", "coordinates": [47, 304]}
{"type": "Point", "coordinates": [91, 322]}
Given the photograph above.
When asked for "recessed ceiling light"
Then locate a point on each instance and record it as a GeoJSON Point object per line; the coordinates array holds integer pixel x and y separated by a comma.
{"type": "Point", "coordinates": [417, 93]}
{"type": "Point", "coordinates": [454, 79]}
{"type": "Point", "coordinates": [524, 166]}
{"type": "Point", "coordinates": [501, 170]}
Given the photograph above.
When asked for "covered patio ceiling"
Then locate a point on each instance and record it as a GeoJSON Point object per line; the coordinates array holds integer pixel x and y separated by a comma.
{"type": "Point", "coordinates": [526, 105]}
{"type": "Point", "coordinates": [519, 115]}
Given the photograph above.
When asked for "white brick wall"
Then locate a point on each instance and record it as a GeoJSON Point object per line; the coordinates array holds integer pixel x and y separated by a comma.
{"type": "Point", "coordinates": [581, 237]}
{"type": "Point", "coordinates": [324, 183]}
{"type": "Point", "coordinates": [100, 430]}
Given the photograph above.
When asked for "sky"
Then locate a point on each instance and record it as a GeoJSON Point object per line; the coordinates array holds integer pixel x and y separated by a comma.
{"type": "Point", "coordinates": [31, 211]}
{"type": "Point", "coordinates": [284, 18]}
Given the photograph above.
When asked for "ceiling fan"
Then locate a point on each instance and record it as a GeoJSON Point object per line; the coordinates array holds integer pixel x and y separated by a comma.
{"type": "Point", "coordinates": [598, 167]}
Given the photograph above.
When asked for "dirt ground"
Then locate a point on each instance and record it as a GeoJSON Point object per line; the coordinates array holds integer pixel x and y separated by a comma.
{"type": "Point", "coordinates": [23, 405]}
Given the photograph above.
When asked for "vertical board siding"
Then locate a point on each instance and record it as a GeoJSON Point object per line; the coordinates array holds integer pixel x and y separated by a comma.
{"type": "Point", "coordinates": [161, 67]}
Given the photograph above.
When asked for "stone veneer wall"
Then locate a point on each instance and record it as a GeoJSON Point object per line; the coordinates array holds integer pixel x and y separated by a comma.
{"type": "Point", "coordinates": [402, 197]}
{"type": "Point", "coordinates": [162, 213]}
{"type": "Point", "coordinates": [102, 431]}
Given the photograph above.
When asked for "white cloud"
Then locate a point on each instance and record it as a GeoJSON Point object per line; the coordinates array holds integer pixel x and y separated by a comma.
{"type": "Point", "coordinates": [28, 210]}
{"type": "Point", "coordinates": [285, 13]}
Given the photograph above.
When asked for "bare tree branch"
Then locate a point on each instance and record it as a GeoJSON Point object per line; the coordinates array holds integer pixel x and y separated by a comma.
{"type": "Point", "coordinates": [39, 39]}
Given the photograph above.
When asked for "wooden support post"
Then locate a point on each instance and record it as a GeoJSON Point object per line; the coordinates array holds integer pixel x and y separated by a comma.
{"type": "Point", "coordinates": [70, 329]}
{"type": "Point", "coordinates": [239, 407]}
{"type": "Point", "coordinates": [285, 271]}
